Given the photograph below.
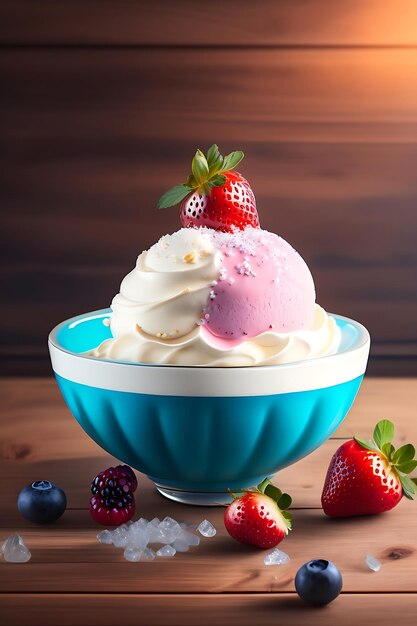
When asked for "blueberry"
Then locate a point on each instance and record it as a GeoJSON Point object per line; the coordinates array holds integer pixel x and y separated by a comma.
{"type": "Point", "coordinates": [318, 582]}
{"type": "Point", "coordinates": [42, 502]}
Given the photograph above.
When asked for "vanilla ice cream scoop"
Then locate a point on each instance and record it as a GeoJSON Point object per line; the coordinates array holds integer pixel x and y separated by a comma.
{"type": "Point", "coordinates": [166, 292]}
{"type": "Point", "coordinates": [208, 298]}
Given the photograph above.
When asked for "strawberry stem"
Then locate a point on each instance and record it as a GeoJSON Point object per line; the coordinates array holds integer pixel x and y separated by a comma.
{"type": "Point", "coordinates": [231, 494]}
{"type": "Point", "coordinates": [401, 461]}
{"type": "Point", "coordinates": [207, 172]}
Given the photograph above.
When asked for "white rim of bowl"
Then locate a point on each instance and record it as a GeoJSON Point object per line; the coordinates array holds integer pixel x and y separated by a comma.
{"type": "Point", "coordinates": [198, 381]}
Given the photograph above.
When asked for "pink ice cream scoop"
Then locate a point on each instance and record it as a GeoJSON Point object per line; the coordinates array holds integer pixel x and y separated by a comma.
{"type": "Point", "coordinates": [263, 284]}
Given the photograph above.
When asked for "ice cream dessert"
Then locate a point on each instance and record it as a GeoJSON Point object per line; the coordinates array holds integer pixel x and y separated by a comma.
{"type": "Point", "coordinates": [220, 291]}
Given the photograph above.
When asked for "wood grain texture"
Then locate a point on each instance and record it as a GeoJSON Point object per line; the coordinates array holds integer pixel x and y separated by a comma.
{"type": "Point", "coordinates": [72, 579]}
{"type": "Point", "coordinates": [393, 399]}
{"type": "Point", "coordinates": [232, 609]}
{"type": "Point", "coordinates": [331, 143]}
{"type": "Point", "coordinates": [67, 558]}
{"type": "Point", "coordinates": [186, 23]}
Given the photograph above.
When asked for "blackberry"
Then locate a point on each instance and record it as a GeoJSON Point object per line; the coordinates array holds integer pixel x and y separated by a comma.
{"type": "Point", "coordinates": [113, 502]}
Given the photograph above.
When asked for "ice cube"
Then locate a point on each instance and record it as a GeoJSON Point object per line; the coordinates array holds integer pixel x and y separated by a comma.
{"type": "Point", "coordinates": [373, 563]}
{"type": "Point", "coordinates": [120, 537]}
{"type": "Point", "coordinates": [181, 545]}
{"type": "Point", "coordinates": [141, 523]}
{"type": "Point", "coordinates": [123, 527]}
{"type": "Point", "coordinates": [15, 551]}
{"type": "Point", "coordinates": [132, 554]}
{"type": "Point", "coordinates": [166, 551]}
{"type": "Point", "coordinates": [155, 534]}
{"type": "Point", "coordinates": [276, 557]}
{"type": "Point", "coordinates": [148, 555]}
{"type": "Point", "coordinates": [206, 529]}
{"type": "Point", "coordinates": [169, 522]}
{"type": "Point", "coordinates": [106, 536]}
{"type": "Point", "coordinates": [191, 538]}
{"type": "Point", "coordinates": [155, 521]}
{"type": "Point", "coordinates": [170, 529]}
{"type": "Point", "coordinates": [138, 536]}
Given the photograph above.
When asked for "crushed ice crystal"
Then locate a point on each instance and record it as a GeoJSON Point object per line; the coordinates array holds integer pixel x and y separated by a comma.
{"type": "Point", "coordinates": [276, 557]}
{"type": "Point", "coordinates": [148, 554]}
{"type": "Point", "coordinates": [166, 551]}
{"type": "Point", "coordinates": [15, 550]}
{"type": "Point", "coordinates": [120, 537]}
{"type": "Point", "coordinates": [132, 554]}
{"type": "Point", "coordinates": [206, 529]}
{"type": "Point", "coordinates": [191, 538]}
{"type": "Point", "coordinates": [181, 545]}
{"type": "Point", "coordinates": [105, 537]}
{"type": "Point", "coordinates": [135, 537]}
{"type": "Point", "coordinates": [170, 529]}
{"type": "Point", "coordinates": [373, 563]}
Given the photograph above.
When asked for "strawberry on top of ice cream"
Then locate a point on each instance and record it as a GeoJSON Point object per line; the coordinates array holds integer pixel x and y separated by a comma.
{"type": "Point", "coordinates": [214, 195]}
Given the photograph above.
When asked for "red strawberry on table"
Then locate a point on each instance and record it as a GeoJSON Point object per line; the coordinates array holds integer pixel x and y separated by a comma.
{"type": "Point", "coordinates": [259, 517]}
{"type": "Point", "coordinates": [367, 477]}
{"type": "Point", "coordinates": [214, 195]}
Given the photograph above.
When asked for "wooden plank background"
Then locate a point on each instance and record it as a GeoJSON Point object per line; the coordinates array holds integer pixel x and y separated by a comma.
{"type": "Point", "coordinates": [235, 609]}
{"type": "Point", "coordinates": [103, 104]}
{"type": "Point", "coordinates": [183, 22]}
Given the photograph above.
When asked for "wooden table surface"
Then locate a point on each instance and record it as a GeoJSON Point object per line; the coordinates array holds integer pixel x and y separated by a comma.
{"type": "Point", "coordinates": [72, 579]}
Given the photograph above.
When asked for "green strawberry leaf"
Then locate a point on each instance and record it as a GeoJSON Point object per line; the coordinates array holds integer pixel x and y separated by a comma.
{"type": "Point", "coordinates": [383, 433]}
{"type": "Point", "coordinates": [191, 182]}
{"type": "Point", "coordinates": [263, 485]}
{"type": "Point", "coordinates": [405, 453]}
{"type": "Point", "coordinates": [288, 519]}
{"type": "Point", "coordinates": [174, 196]}
{"type": "Point", "coordinates": [214, 160]}
{"type": "Point", "coordinates": [213, 153]}
{"type": "Point", "coordinates": [368, 445]}
{"type": "Point", "coordinates": [406, 467]}
{"type": "Point", "coordinates": [217, 181]}
{"type": "Point", "coordinates": [200, 167]}
{"type": "Point", "coordinates": [206, 174]}
{"type": "Point", "coordinates": [388, 450]}
{"type": "Point", "coordinates": [409, 486]}
{"type": "Point", "coordinates": [231, 160]}
{"type": "Point", "coordinates": [285, 501]}
{"type": "Point", "coordinates": [273, 492]}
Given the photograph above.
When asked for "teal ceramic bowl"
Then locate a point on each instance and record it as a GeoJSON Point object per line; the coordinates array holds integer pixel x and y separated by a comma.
{"type": "Point", "coordinates": [197, 431]}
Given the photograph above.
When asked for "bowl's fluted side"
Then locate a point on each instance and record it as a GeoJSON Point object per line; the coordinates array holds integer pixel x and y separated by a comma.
{"type": "Point", "coordinates": [209, 443]}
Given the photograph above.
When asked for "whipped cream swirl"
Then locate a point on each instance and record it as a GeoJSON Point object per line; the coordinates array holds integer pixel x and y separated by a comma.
{"type": "Point", "coordinates": [199, 347]}
{"type": "Point", "coordinates": [165, 294]}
